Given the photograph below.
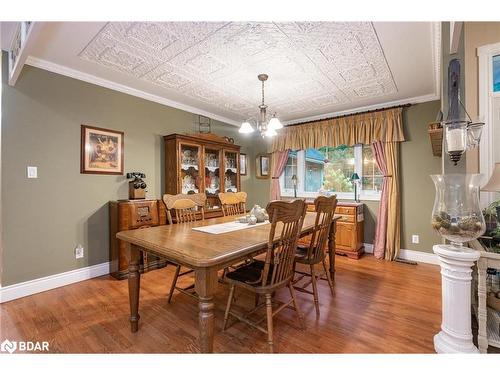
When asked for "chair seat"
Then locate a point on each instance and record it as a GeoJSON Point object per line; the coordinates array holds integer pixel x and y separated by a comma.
{"type": "Point", "coordinates": [301, 255]}
{"type": "Point", "coordinates": [301, 252]}
{"type": "Point", "coordinates": [249, 273]}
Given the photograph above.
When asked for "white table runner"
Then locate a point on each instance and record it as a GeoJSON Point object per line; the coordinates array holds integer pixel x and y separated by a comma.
{"type": "Point", "coordinates": [227, 227]}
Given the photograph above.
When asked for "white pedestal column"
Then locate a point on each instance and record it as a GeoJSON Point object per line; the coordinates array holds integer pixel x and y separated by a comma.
{"type": "Point", "coordinates": [456, 333]}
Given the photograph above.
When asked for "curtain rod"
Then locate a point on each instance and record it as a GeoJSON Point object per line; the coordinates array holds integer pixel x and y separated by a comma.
{"type": "Point", "coordinates": [352, 114]}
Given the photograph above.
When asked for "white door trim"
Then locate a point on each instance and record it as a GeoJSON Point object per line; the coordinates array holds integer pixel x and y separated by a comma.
{"type": "Point", "coordinates": [27, 288]}
{"type": "Point", "coordinates": [486, 148]}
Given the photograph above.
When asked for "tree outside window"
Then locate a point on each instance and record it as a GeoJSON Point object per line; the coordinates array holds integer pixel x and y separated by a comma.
{"type": "Point", "coordinates": [330, 169]}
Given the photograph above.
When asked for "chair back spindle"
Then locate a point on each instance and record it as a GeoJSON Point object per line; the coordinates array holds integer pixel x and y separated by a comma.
{"type": "Point", "coordinates": [233, 203]}
{"type": "Point", "coordinates": [286, 219]}
{"type": "Point", "coordinates": [325, 211]}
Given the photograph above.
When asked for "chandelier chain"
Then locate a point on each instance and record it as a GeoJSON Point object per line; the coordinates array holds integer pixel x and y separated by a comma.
{"type": "Point", "coordinates": [262, 92]}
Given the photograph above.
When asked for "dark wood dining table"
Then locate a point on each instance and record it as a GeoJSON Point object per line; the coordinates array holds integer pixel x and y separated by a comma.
{"type": "Point", "coordinates": [206, 254]}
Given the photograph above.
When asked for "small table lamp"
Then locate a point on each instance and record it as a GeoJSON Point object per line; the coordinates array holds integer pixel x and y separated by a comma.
{"type": "Point", "coordinates": [494, 184]}
{"type": "Point", "coordinates": [294, 183]}
{"type": "Point", "coordinates": [355, 179]}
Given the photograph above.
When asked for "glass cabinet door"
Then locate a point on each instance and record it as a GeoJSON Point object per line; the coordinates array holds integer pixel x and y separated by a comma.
{"type": "Point", "coordinates": [230, 171]}
{"type": "Point", "coordinates": [190, 168]}
{"type": "Point", "coordinates": [212, 177]}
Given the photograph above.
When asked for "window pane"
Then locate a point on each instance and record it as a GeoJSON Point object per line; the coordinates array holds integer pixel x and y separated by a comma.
{"type": "Point", "coordinates": [290, 169]}
{"type": "Point", "coordinates": [338, 169]}
{"type": "Point", "coordinates": [314, 169]}
{"type": "Point", "coordinates": [372, 177]}
{"type": "Point", "coordinates": [496, 73]}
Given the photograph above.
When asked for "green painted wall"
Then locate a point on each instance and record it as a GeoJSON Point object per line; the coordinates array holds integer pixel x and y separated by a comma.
{"type": "Point", "coordinates": [417, 188]}
{"type": "Point", "coordinates": [45, 218]}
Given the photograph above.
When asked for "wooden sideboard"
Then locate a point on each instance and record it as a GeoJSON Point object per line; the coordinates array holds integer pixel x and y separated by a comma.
{"type": "Point", "coordinates": [349, 236]}
{"type": "Point", "coordinates": [133, 214]}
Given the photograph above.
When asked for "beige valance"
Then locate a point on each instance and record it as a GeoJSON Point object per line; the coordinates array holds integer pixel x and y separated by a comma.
{"type": "Point", "coordinates": [366, 128]}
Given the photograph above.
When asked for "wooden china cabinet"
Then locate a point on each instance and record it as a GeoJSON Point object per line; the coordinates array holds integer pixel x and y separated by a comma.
{"type": "Point", "coordinates": [196, 163]}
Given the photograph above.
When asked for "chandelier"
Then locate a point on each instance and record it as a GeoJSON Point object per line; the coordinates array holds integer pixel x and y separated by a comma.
{"type": "Point", "coordinates": [265, 127]}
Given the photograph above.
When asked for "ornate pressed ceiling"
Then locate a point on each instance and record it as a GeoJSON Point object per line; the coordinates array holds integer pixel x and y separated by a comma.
{"type": "Point", "coordinates": [313, 65]}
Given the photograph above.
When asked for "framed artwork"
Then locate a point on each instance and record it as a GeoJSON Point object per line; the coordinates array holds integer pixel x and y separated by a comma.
{"type": "Point", "coordinates": [101, 151]}
{"type": "Point", "coordinates": [243, 164]}
{"type": "Point", "coordinates": [262, 165]}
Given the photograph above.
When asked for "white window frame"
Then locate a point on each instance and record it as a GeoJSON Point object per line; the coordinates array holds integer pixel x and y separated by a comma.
{"type": "Point", "coordinates": [365, 195]}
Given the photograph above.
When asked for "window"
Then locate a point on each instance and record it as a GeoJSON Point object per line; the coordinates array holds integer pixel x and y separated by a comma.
{"type": "Point", "coordinates": [496, 73]}
{"type": "Point", "coordinates": [330, 169]}
{"type": "Point", "coordinates": [371, 177]}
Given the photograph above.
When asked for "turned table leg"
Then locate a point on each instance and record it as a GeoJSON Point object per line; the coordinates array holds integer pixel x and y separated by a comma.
{"type": "Point", "coordinates": [206, 281]}
{"type": "Point", "coordinates": [134, 284]}
{"type": "Point", "coordinates": [331, 250]}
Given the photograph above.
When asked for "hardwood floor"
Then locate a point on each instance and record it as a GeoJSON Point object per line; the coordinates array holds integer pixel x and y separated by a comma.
{"type": "Point", "coordinates": [379, 307]}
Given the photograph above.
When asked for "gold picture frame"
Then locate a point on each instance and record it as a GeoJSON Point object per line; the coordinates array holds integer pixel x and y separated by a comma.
{"type": "Point", "coordinates": [101, 151]}
{"type": "Point", "coordinates": [243, 164]}
{"type": "Point", "coordinates": [263, 166]}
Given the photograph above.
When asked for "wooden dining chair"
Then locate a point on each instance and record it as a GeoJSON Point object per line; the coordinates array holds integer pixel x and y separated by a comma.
{"type": "Point", "coordinates": [184, 208]}
{"type": "Point", "coordinates": [265, 277]}
{"type": "Point", "coordinates": [313, 252]}
{"type": "Point", "coordinates": [233, 203]}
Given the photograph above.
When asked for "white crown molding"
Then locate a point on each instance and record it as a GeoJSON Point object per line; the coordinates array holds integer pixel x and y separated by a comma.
{"type": "Point", "coordinates": [90, 78]}
{"type": "Point", "coordinates": [414, 100]}
{"type": "Point", "coordinates": [27, 288]}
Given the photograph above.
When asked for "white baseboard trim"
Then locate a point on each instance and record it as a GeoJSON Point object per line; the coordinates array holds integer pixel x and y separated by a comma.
{"type": "Point", "coordinates": [412, 255]}
{"type": "Point", "coordinates": [418, 256]}
{"type": "Point", "coordinates": [368, 248]}
{"type": "Point", "coordinates": [27, 288]}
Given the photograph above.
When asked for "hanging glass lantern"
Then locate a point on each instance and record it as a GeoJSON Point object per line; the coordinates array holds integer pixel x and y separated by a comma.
{"type": "Point", "coordinates": [456, 139]}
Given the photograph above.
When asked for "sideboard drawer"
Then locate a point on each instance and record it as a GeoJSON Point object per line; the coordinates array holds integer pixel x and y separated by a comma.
{"type": "Point", "coordinates": [348, 219]}
{"type": "Point", "coordinates": [345, 210]}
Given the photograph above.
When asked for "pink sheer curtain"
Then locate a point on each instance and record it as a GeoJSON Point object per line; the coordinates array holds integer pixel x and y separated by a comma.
{"type": "Point", "coordinates": [381, 230]}
{"type": "Point", "coordinates": [279, 162]}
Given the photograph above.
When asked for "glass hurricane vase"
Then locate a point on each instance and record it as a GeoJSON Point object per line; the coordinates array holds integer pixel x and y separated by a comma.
{"type": "Point", "coordinates": [456, 215]}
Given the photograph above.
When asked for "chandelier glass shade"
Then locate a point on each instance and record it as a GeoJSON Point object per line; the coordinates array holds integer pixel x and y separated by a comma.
{"type": "Point", "coordinates": [246, 128]}
{"type": "Point", "coordinates": [265, 127]}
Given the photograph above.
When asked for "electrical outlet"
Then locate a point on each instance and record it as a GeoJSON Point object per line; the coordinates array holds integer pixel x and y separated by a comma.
{"type": "Point", "coordinates": [415, 238]}
{"type": "Point", "coordinates": [32, 172]}
{"type": "Point", "coordinates": [79, 252]}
